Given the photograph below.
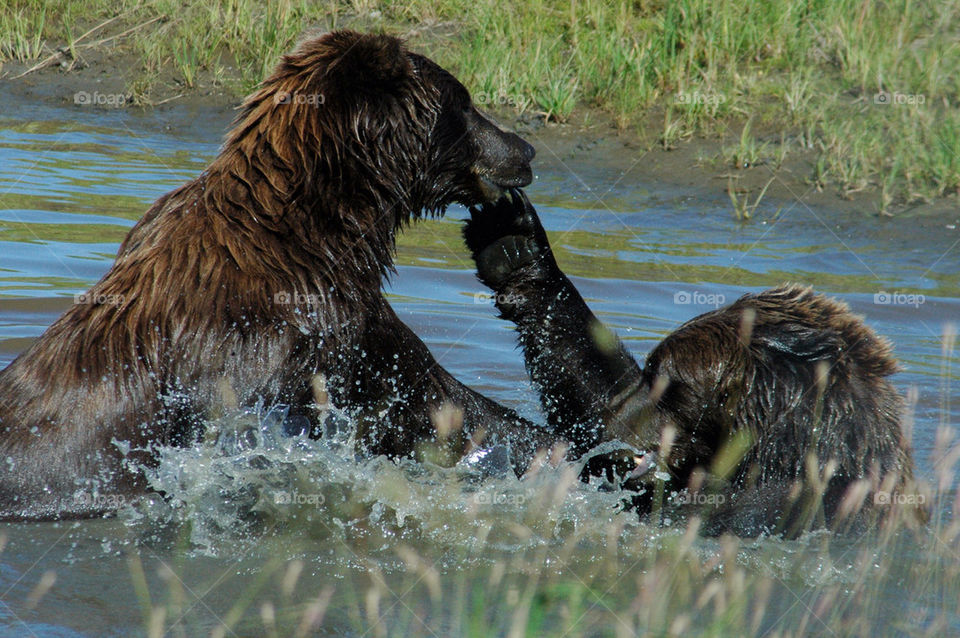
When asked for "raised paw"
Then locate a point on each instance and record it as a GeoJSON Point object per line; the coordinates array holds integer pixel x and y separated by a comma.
{"type": "Point", "coordinates": [503, 258]}
{"type": "Point", "coordinates": [512, 214]}
{"type": "Point", "coordinates": [506, 236]}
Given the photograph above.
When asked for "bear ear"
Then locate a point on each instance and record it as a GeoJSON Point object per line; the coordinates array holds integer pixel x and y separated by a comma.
{"type": "Point", "coordinates": [362, 60]}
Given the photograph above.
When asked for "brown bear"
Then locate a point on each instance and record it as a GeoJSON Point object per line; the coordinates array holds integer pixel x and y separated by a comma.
{"type": "Point", "coordinates": [771, 408]}
{"type": "Point", "coordinates": [262, 274]}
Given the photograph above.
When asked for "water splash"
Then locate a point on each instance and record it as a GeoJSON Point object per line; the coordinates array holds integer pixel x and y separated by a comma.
{"type": "Point", "coordinates": [250, 479]}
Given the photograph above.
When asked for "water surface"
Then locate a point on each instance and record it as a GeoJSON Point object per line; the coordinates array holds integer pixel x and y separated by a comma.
{"type": "Point", "coordinates": [72, 183]}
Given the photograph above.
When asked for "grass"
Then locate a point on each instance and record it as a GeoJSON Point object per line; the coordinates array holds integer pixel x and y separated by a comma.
{"type": "Point", "coordinates": [748, 152]}
{"type": "Point", "coordinates": [743, 208]}
{"type": "Point", "coordinates": [810, 70]}
{"type": "Point", "coordinates": [22, 33]}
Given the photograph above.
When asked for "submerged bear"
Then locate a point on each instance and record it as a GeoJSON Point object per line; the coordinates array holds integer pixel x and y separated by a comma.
{"type": "Point", "coordinates": [261, 275]}
{"type": "Point", "coordinates": [774, 414]}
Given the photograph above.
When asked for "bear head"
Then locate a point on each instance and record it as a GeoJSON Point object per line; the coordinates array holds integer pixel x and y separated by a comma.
{"type": "Point", "coordinates": [352, 121]}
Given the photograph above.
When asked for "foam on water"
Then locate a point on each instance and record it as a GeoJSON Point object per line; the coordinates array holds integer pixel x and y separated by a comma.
{"type": "Point", "coordinates": [251, 484]}
{"type": "Point", "coordinates": [250, 478]}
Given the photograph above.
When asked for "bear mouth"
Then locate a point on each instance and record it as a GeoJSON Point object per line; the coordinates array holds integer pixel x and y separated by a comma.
{"type": "Point", "coordinates": [645, 463]}
{"type": "Point", "coordinates": [492, 189]}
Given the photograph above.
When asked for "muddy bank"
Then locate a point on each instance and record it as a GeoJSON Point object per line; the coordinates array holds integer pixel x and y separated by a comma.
{"type": "Point", "coordinates": [697, 168]}
{"type": "Point", "coordinates": [589, 147]}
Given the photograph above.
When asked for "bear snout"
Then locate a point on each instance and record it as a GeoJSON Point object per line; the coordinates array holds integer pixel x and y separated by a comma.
{"type": "Point", "coordinates": [528, 151]}
{"type": "Point", "coordinates": [504, 158]}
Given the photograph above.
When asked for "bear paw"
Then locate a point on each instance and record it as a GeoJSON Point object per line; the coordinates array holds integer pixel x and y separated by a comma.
{"type": "Point", "coordinates": [500, 260]}
{"type": "Point", "coordinates": [505, 237]}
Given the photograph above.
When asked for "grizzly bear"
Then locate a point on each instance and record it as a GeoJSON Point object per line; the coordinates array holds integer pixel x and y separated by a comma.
{"type": "Point", "coordinates": [261, 275]}
{"type": "Point", "coordinates": [773, 407]}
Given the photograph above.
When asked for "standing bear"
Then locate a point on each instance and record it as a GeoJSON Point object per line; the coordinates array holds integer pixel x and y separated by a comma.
{"type": "Point", "coordinates": [261, 275]}
{"type": "Point", "coordinates": [770, 411]}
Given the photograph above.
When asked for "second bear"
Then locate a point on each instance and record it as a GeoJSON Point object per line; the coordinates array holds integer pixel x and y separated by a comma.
{"type": "Point", "coordinates": [777, 404]}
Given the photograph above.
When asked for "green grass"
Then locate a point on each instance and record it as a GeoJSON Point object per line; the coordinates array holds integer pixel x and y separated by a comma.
{"type": "Point", "coordinates": [22, 31]}
{"type": "Point", "coordinates": [808, 70]}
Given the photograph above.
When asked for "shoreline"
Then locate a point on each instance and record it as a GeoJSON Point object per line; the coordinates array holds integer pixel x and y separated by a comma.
{"type": "Point", "coordinates": [695, 165]}
{"type": "Point", "coordinates": [805, 89]}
